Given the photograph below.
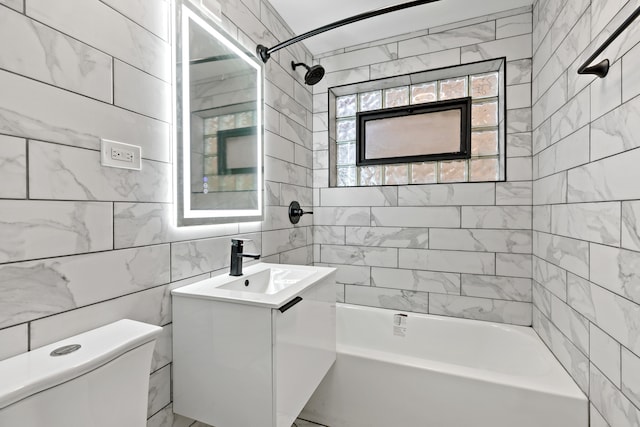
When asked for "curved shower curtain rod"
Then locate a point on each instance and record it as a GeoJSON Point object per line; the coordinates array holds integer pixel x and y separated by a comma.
{"type": "Point", "coordinates": [265, 52]}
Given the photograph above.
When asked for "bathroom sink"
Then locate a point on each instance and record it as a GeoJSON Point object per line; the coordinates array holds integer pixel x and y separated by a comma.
{"type": "Point", "coordinates": [268, 281]}
{"type": "Point", "coordinates": [261, 284]}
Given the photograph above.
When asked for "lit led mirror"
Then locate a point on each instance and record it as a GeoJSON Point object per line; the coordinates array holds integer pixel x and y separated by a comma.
{"type": "Point", "coordinates": [219, 124]}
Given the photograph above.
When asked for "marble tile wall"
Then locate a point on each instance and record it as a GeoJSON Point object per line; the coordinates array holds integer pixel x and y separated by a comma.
{"type": "Point", "coordinates": [460, 250]}
{"type": "Point", "coordinates": [82, 245]}
{"type": "Point", "coordinates": [586, 259]}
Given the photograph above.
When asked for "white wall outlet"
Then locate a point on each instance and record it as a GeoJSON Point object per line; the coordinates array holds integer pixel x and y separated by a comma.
{"type": "Point", "coordinates": [120, 155]}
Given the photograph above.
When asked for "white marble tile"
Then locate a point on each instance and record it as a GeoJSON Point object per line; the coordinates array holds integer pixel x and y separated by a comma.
{"type": "Point", "coordinates": [106, 29]}
{"type": "Point", "coordinates": [446, 194]}
{"type": "Point", "coordinates": [573, 116]}
{"type": "Point", "coordinates": [14, 341]}
{"type": "Point", "coordinates": [360, 57]}
{"type": "Point", "coordinates": [277, 170]}
{"type": "Point", "coordinates": [303, 156]}
{"type": "Point", "coordinates": [359, 196]}
{"type": "Point", "coordinates": [594, 222]}
{"type": "Point", "coordinates": [39, 229]}
{"type": "Point", "coordinates": [631, 225]}
{"type": "Point", "coordinates": [513, 193]}
{"type": "Point", "coordinates": [289, 193]}
{"type": "Point", "coordinates": [519, 71]}
{"type": "Point", "coordinates": [284, 103]}
{"type": "Point", "coordinates": [631, 376]}
{"type": "Point", "coordinates": [565, 154]}
{"type": "Point", "coordinates": [518, 313]}
{"type": "Point", "coordinates": [595, 418]}
{"type": "Point", "coordinates": [14, 4]}
{"type": "Point", "coordinates": [606, 94]}
{"type": "Point", "coordinates": [519, 144]}
{"type": "Point", "coordinates": [519, 169]}
{"type": "Point", "coordinates": [513, 48]}
{"type": "Point", "coordinates": [612, 178]}
{"type": "Point", "coordinates": [456, 37]}
{"type": "Point", "coordinates": [552, 278]}
{"type": "Point", "coordinates": [564, 23]}
{"type": "Point", "coordinates": [328, 235]}
{"type": "Point", "coordinates": [571, 323]}
{"type": "Point", "coordinates": [500, 217]}
{"type": "Point", "coordinates": [321, 140]}
{"type": "Point", "coordinates": [630, 86]}
{"type": "Point", "coordinates": [166, 418]}
{"type": "Point", "coordinates": [35, 289]}
{"type": "Point", "coordinates": [67, 173]}
{"type": "Point", "coordinates": [138, 91]}
{"type": "Point", "coordinates": [394, 299]}
{"type": "Point", "coordinates": [610, 402]}
{"type": "Point", "coordinates": [608, 137]}
{"type": "Point", "coordinates": [295, 132]}
{"type": "Point", "coordinates": [342, 216]}
{"type": "Point", "coordinates": [602, 11]}
{"type": "Point", "coordinates": [447, 216]}
{"type": "Point", "coordinates": [43, 54]}
{"type": "Point", "coordinates": [542, 218]}
{"type": "Point", "coordinates": [550, 102]}
{"type": "Point", "coordinates": [163, 350]}
{"type": "Point", "coordinates": [570, 254]}
{"type": "Point", "coordinates": [412, 64]}
{"type": "Point", "coordinates": [416, 280]}
{"type": "Point", "coordinates": [519, 120]}
{"type": "Point", "coordinates": [13, 167]}
{"type": "Point", "coordinates": [394, 237]}
{"type": "Point", "coordinates": [617, 270]}
{"type": "Point", "coordinates": [495, 287]}
{"type": "Point", "coordinates": [154, 16]}
{"type": "Point", "coordinates": [576, 363]}
{"type": "Point", "coordinates": [515, 265]}
{"type": "Point", "coordinates": [541, 300]}
{"type": "Point", "coordinates": [139, 224]}
{"type": "Point", "coordinates": [33, 109]}
{"type": "Point", "coordinates": [192, 258]}
{"type": "Point", "coordinates": [343, 77]}
{"type": "Point", "coordinates": [359, 255]}
{"type": "Point", "coordinates": [605, 354]}
{"type": "Point", "coordinates": [149, 306]}
{"type": "Point", "coordinates": [159, 390]}
{"type": "Point", "coordinates": [615, 315]}
{"type": "Point", "coordinates": [448, 261]}
{"type": "Point", "coordinates": [283, 240]}
{"type": "Point", "coordinates": [518, 96]}
{"type": "Point", "coordinates": [514, 25]}
{"type": "Point", "coordinates": [510, 241]}
{"type": "Point", "coordinates": [541, 136]}
{"type": "Point", "coordinates": [351, 274]}
{"type": "Point", "coordinates": [551, 189]}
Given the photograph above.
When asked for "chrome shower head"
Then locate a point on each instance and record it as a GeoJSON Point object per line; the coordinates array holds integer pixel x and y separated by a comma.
{"type": "Point", "coordinates": [314, 74]}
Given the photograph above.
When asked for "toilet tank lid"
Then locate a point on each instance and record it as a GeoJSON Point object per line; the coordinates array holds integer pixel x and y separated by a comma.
{"type": "Point", "coordinates": [29, 373]}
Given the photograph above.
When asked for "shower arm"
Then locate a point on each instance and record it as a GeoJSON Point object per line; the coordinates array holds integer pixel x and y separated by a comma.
{"type": "Point", "coordinates": [265, 52]}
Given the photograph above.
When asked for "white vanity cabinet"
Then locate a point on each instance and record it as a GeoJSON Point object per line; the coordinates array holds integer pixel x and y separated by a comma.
{"type": "Point", "coordinates": [246, 364]}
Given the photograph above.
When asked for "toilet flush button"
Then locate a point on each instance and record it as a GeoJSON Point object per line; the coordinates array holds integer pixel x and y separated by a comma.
{"type": "Point", "coordinates": [64, 350]}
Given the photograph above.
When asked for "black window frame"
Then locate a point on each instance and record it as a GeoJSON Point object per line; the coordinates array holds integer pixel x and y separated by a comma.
{"type": "Point", "coordinates": [462, 104]}
{"type": "Point", "coordinates": [223, 135]}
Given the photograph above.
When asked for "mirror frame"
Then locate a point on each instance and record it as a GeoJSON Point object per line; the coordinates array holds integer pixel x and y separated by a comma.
{"type": "Point", "coordinates": [184, 12]}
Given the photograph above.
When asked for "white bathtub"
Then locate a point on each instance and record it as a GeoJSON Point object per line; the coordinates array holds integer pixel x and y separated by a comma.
{"type": "Point", "coordinates": [444, 372]}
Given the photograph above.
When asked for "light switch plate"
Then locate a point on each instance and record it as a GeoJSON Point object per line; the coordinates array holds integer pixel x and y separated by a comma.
{"type": "Point", "coordinates": [116, 154]}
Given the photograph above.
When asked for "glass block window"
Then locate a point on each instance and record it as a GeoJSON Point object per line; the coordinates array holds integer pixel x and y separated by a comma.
{"type": "Point", "coordinates": [484, 164]}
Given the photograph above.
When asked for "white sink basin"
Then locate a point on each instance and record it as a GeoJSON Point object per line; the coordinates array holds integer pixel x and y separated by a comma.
{"type": "Point", "coordinates": [268, 281]}
{"type": "Point", "coordinates": [261, 284]}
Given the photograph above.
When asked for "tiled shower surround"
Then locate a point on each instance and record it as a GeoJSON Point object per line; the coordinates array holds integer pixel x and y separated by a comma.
{"type": "Point", "coordinates": [586, 221]}
{"type": "Point", "coordinates": [82, 245]}
{"type": "Point", "coordinates": [460, 249]}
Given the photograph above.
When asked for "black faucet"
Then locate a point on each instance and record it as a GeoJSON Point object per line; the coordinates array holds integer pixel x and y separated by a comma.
{"type": "Point", "coordinates": [237, 247]}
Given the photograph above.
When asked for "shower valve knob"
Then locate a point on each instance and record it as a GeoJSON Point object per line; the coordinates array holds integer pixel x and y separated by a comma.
{"type": "Point", "coordinates": [295, 212]}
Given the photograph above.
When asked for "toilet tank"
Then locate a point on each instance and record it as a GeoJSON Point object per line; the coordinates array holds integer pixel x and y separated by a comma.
{"type": "Point", "coordinates": [103, 383]}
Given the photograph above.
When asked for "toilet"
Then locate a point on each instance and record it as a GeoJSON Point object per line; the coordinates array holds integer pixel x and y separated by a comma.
{"type": "Point", "coordinates": [99, 378]}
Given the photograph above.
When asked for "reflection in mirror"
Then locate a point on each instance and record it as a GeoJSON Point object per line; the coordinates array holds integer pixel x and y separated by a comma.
{"type": "Point", "coordinates": [219, 103]}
